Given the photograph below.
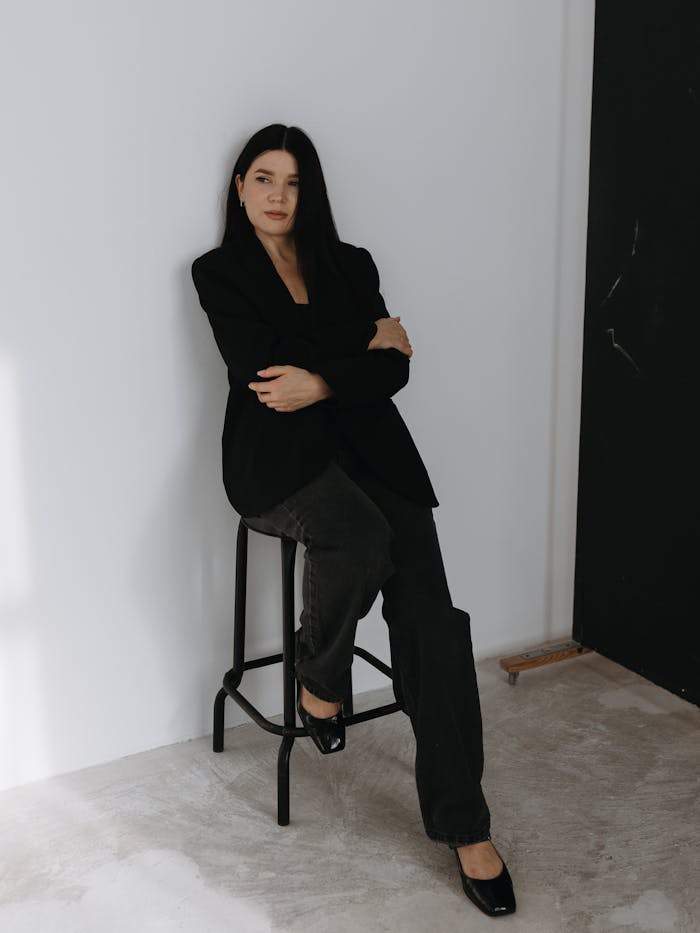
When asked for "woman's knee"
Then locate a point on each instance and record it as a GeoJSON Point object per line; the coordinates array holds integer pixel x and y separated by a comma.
{"type": "Point", "coordinates": [370, 540]}
{"type": "Point", "coordinates": [448, 639]}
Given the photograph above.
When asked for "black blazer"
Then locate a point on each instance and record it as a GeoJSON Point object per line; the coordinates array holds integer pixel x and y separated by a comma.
{"type": "Point", "coordinates": [267, 454]}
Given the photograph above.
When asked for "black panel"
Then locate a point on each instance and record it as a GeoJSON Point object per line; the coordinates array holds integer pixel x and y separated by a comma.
{"type": "Point", "coordinates": [637, 554]}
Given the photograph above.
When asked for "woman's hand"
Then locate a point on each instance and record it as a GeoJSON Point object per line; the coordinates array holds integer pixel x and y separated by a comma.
{"type": "Point", "coordinates": [390, 334]}
{"type": "Point", "coordinates": [293, 388]}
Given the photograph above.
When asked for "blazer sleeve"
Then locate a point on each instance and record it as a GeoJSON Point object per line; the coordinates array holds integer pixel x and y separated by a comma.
{"type": "Point", "coordinates": [247, 344]}
{"type": "Point", "coordinates": [373, 374]}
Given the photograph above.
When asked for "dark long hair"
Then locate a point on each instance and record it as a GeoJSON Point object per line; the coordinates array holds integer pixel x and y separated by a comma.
{"type": "Point", "coordinates": [314, 230]}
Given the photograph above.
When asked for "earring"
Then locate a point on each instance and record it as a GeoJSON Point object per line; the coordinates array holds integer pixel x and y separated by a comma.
{"type": "Point", "coordinates": [241, 203]}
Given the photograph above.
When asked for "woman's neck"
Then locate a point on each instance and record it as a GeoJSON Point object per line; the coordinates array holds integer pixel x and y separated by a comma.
{"type": "Point", "coordinates": [280, 248]}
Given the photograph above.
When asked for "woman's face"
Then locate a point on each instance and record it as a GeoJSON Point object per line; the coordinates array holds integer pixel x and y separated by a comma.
{"type": "Point", "coordinates": [269, 191]}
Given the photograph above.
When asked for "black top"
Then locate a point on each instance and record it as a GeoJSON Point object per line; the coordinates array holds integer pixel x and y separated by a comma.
{"type": "Point", "coordinates": [256, 323]}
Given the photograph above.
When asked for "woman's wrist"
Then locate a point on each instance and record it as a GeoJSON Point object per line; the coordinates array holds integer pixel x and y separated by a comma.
{"type": "Point", "coordinates": [324, 389]}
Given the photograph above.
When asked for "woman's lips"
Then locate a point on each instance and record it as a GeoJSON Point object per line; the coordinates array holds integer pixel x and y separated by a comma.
{"type": "Point", "coordinates": [276, 215]}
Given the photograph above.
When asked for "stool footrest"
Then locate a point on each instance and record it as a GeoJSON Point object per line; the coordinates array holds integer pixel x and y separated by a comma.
{"type": "Point", "coordinates": [262, 662]}
{"type": "Point", "coordinates": [373, 713]}
{"type": "Point", "coordinates": [374, 661]}
{"type": "Point", "coordinates": [360, 652]}
{"type": "Point", "coordinates": [254, 712]}
{"type": "Point", "coordinates": [230, 684]}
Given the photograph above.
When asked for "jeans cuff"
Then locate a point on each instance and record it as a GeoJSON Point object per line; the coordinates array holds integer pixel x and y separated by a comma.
{"type": "Point", "coordinates": [453, 840]}
{"type": "Point", "coordinates": [320, 692]}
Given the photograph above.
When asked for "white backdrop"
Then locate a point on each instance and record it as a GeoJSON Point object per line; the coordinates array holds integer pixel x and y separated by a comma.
{"type": "Point", "coordinates": [454, 138]}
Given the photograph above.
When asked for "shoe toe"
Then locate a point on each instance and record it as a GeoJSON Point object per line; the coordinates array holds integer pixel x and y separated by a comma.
{"type": "Point", "coordinates": [327, 734]}
{"type": "Point", "coordinates": [493, 896]}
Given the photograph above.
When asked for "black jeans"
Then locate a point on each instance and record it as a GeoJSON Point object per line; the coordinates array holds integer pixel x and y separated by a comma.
{"type": "Point", "coordinates": [360, 537]}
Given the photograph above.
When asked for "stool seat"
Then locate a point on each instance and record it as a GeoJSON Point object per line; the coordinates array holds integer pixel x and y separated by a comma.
{"type": "Point", "coordinates": [232, 678]}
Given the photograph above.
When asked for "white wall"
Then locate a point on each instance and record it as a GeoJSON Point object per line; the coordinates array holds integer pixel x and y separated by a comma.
{"type": "Point", "coordinates": [454, 141]}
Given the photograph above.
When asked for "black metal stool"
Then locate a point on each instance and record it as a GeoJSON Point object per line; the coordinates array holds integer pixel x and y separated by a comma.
{"type": "Point", "coordinates": [232, 679]}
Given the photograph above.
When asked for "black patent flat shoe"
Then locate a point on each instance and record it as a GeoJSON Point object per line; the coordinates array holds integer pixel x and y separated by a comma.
{"type": "Point", "coordinates": [494, 896]}
{"type": "Point", "coordinates": [328, 734]}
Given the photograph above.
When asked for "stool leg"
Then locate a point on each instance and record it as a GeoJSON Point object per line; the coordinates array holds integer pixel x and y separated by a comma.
{"type": "Point", "coordinates": [288, 549]}
{"type": "Point", "coordinates": [239, 602]}
{"type": "Point", "coordinates": [283, 780]}
{"type": "Point", "coordinates": [347, 707]}
{"type": "Point", "coordinates": [218, 738]}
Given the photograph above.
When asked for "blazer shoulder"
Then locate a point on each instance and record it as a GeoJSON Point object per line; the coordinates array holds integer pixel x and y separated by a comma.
{"type": "Point", "coordinates": [352, 250]}
{"type": "Point", "coordinates": [358, 259]}
{"type": "Point", "coordinates": [223, 256]}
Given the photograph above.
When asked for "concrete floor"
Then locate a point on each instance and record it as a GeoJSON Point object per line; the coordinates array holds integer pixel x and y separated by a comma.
{"type": "Point", "coordinates": [592, 777]}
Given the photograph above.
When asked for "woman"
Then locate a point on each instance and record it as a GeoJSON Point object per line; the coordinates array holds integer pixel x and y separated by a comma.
{"type": "Point", "coordinates": [314, 448]}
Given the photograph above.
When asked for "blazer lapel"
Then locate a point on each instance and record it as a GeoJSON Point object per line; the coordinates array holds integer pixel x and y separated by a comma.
{"type": "Point", "coordinates": [266, 290]}
{"type": "Point", "coordinates": [262, 284]}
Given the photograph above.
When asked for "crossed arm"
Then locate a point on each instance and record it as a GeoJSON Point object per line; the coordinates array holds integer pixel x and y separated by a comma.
{"type": "Point", "coordinates": [335, 362]}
